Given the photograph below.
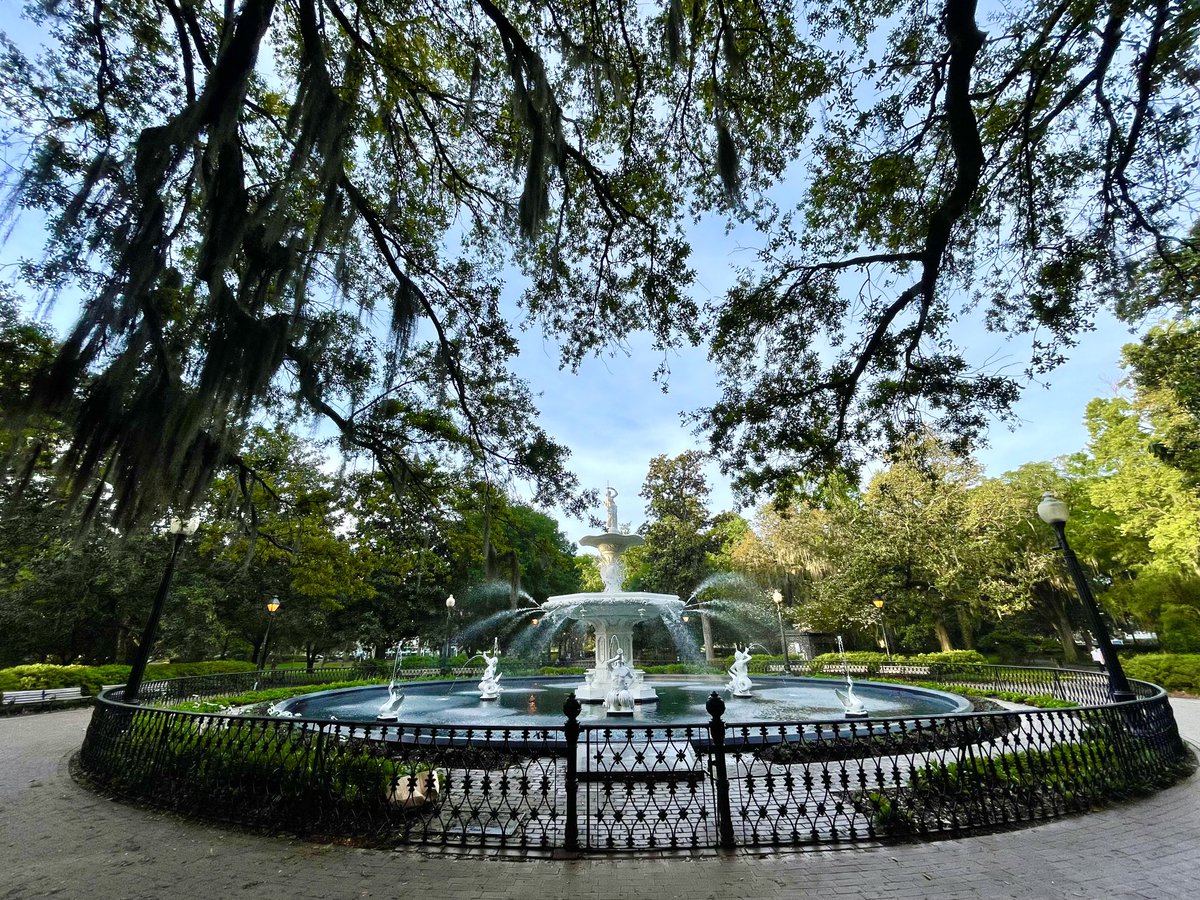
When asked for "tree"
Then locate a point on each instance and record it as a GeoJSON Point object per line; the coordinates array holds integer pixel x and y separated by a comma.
{"type": "Point", "coordinates": [1148, 518]}
{"type": "Point", "coordinates": [298, 543]}
{"type": "Point", "coordinates": [241, 206]}
{"type": "Point", "coordinates": [1163, 371]}
{"type": "Point", "coordinates": [1027, 169]}
{"type": "Point", "coordinates": [675, 557]}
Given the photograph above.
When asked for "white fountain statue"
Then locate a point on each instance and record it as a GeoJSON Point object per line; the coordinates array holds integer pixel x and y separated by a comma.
{"type": "Point", "coordinates": [489, 684]}
{"type": "Point", "coordinates": [389, 711]}
{"type": "Point", "coordinates": [619, 700]}
{"type": "Point", "coordinates": [739, 678]}
{"type": "Point", "coordinates": [613, 613]}
{"type": "Point", "coordinates": [854, 707]}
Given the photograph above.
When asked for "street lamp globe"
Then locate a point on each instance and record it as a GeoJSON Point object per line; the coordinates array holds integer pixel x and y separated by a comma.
{"type": "Point", "coordinates": [450, 601]}
{"type": "Point", "coordinates": [273, 605]}
{"type": "Point", "coordinates": [878, 602]}
{"type": "Point", "coordinates": [1051, 510]}
{"type": "Point", "coordinates": [777, 597]}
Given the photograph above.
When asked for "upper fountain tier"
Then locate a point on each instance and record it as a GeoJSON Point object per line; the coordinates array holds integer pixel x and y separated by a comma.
{"type": "Point", "coordinates": [611, 546]}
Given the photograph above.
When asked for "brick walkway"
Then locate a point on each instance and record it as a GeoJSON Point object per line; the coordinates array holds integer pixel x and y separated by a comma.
{"type": "Point", "coordinates": [59, 840]}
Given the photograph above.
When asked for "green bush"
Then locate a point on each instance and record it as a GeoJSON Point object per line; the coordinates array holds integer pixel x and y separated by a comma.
{"type": "Point", "coordinates": [681, 669]}
{"type": "Point", "coordinates": [562, 670]}
{"type": "Point", "coordinates": [420, 661]}
{"type": "Point", "coordinates": [91, 678]}
{"type": "Point", "coordinates": [1174, 671]}
{"type": "Point", "coordinates": [949, 661]}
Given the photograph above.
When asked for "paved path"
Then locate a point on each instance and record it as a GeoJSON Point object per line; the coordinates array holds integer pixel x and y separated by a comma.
{"type": "Point", "coordinates": [59, 840]}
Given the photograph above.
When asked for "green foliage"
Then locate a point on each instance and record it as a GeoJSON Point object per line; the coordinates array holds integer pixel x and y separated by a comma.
{"type": "Point", "coordinates": [269, 695]}
{"type": "Point", "coordinates": [228, 766]}
{"type": "Point", "coordinates": [562, 670]}
{"type": "Point", "coordinates": [1173, 671]}
{"type": "Point", "coordinates": [949, 662]}
{"type": "Point", "coordinates": [1074, 774]}
{"type": "Point", "coordinates": [91, 678]}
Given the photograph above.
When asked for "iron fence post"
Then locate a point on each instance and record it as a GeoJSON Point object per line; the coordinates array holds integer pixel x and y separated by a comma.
{"type": "Point", "coordinates": [572, 708]}
{"type": "Point", "coordinates": [716, 729]}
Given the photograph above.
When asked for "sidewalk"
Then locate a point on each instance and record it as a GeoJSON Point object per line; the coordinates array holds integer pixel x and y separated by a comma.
{"type": "Point", "coordinates": [57, 839]}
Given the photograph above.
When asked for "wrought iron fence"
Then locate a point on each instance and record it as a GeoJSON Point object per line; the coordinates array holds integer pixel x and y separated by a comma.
{"type": "Point", "coordinates": [606, 788]}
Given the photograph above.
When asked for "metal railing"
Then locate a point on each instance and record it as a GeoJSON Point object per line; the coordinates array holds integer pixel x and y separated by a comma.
{"type": "Point", "coordinates": [587, 787]}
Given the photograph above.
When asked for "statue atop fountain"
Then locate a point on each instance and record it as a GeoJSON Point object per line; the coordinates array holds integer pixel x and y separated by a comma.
{"type": "Point", "coordinates": [489, 684]}
{"type": "Point", "coordinates": [610, 507]}
{"type": "Point", "coordinates": [739, 678]}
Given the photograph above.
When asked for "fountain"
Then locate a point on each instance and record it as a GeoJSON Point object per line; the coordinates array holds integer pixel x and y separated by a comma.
{"type": "Point", "coordinates": [613, 687]}
{"type": "Point", "coordinates": [739, 679]}
{"type": "Point", "coordinates": [612, 613]}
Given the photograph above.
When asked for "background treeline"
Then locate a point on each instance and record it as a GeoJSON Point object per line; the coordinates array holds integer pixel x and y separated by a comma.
{"type": "Point", "coordinates": [959, 560]}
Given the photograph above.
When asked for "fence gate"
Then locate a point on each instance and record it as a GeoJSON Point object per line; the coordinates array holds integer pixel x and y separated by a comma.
{"type": "Point", "coordinates": [641, 788]}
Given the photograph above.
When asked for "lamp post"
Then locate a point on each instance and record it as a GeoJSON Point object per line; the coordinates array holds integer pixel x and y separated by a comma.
{"type": "Point", "coordinates": [272, 608]}
{"type": "Point", "coordinates": [450, 601]}
{"type": "Point", "coordinates": [180, 531]}
{"type": "Point", "coordinates": [1053, 512]}
{"type": "Point", "coordinates": [787, 662]}
{"type": "Point", "coordinates": [887, 648]}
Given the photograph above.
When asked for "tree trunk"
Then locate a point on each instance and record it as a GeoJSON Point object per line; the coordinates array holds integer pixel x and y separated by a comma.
{"type": "Point", "coordinates": [706, 629]}
{"type": "Point", "coordinates": [967, 627]}
{"type": "Point", "coordinates": [1066, 637]}
{"type": "Point", "coordinates": [943, 635]}
{"type": "Point", "coordinates": [310, 656]}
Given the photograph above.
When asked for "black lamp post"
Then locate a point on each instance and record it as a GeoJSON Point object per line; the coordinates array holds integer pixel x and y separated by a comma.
{"type": "Point", "coordinates": [1053, 512]}
{"type": "Point", "coordinates": [787, 661]}
{"type": "Point", "coordinates": [272, 608]}
{"type": "Point", "coordinates": [446, 645]}
{"type": "Point", "coordinates": [179, 531]}
{"type": "Point", "coordinates": [887, 648]}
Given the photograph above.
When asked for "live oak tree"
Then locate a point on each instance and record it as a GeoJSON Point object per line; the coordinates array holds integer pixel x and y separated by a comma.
{"type": "Point", "coordinates": [229, 186]}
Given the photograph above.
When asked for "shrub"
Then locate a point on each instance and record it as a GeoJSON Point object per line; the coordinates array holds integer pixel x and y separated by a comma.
{"type": "Point", "coordinates": [91, 678]}
{"type": "Point", "coordinates": [1174, 671]}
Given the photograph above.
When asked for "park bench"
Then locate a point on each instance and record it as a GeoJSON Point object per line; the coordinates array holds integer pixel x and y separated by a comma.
{"type": "Point", "coordinates": [42, 695]}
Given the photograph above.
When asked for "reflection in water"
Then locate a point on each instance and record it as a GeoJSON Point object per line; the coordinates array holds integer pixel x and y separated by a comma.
{"type": "Point", "coordinates": [531, 703]}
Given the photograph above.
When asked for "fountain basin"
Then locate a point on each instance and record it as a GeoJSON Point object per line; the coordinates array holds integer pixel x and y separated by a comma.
{"type": "Point", "coordinates": [538, 702]}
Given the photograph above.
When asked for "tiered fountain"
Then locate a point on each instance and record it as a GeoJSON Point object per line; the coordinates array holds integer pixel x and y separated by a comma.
{"type": "Point", "coordinates": [613, 613]}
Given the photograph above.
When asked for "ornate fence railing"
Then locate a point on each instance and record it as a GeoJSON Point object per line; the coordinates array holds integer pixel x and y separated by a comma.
{"type": "Point", "coordinates": [606, 787]}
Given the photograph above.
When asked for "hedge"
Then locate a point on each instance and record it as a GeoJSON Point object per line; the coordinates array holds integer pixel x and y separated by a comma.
{"type": "Point", "coordinates": [1174, 671]}
{"type": "Point", "coordinates": [92, 678]}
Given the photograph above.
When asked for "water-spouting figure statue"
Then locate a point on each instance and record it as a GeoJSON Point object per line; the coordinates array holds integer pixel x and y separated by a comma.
{"type": "Point", "coordinates": [489, 684]}
{"type": "Point", "coordinates": [389, 711]}
{"type": "Point", "coordinates": [619, 700]}
{"type": "Point", "coordinates": [854, 707]}
{"type": "Point", "coordinates": [739, 678]}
